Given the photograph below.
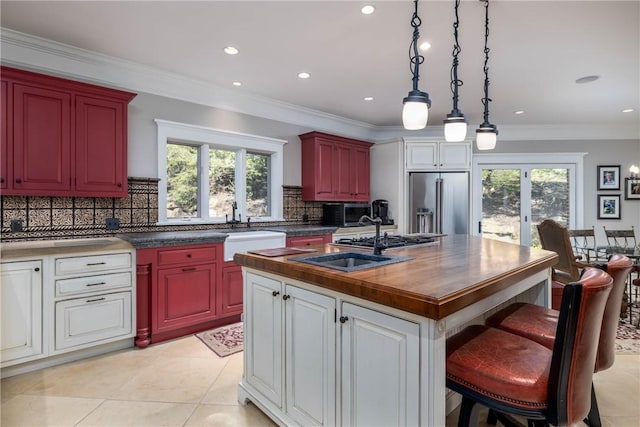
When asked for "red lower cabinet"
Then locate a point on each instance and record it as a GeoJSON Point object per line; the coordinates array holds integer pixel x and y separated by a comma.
{"type": "Point", "coordinates": [231, 289]}
{"type": "Point", "coordinates": [184, 296]}
{"type": "Point", "coordinates": [184, 289]}
{"type": "Point", "coordinates": [320, 239]}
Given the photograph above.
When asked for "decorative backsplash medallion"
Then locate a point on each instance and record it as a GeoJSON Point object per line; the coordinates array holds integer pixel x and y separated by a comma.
{"type": "Point", "coordinates": [42, 218]}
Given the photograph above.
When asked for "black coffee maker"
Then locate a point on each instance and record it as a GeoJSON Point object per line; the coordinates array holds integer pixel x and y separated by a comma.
{"type": "Point", "coordinates": [380, 208]}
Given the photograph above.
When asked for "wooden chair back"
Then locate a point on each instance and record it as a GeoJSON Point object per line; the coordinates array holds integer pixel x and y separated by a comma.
{"type": "Point", "coordinates": [621, 241]}
{"type": "Point", "coordinates": [555, 237]}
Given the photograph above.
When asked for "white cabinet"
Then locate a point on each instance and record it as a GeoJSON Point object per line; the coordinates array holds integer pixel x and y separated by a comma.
{"type": "Point", "coordinates": [92, 319]}
{"type": "Point", "coordinates": [21, 311]}
{"type": "Point", "coordinates": [380, 369]}
{"type": "Point", "coordinates": [285, 320]}
{"type": "Point", "coordinates": [445, 156]}
{"type": "Point", "coordinates": [92, 300]}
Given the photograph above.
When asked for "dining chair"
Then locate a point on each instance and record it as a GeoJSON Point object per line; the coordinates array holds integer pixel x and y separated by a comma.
{"type": "Point", "coordinates": [620, 241]}
{"type": "Point", "coordinates": [555, 237]}
{"type": "Point", "coordinates": [583, 242]}
{"type": "Point", "coordinates": [513, 375]}
{"type": "Point", "coordinates": [539, 324]}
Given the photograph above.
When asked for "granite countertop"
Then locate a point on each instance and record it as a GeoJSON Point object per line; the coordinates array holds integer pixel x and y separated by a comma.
{"type": "Point", "coordinates": [175, 238]}
{"type": "Point", "coordinates": [438, 281]}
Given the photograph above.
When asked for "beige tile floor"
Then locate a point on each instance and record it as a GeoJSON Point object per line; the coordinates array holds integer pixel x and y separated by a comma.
{"type": "Point", "coordinates": [183, 383]}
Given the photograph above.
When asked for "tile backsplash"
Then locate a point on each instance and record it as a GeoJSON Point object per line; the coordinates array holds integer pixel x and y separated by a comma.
{"type": "Point", "coordinates": [73, 217]}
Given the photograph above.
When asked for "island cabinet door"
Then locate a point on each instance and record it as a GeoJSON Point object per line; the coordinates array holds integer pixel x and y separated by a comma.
{"type": "Point", "coordinates": [310, 346]}
{"type": "Point", "coordinates": [263, 353]}
{"type": "Point", "coordinates": [380, 368]}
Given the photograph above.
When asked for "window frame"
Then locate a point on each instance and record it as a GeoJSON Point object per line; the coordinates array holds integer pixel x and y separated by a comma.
{"type": "Point", "coordinates": [205, 138]}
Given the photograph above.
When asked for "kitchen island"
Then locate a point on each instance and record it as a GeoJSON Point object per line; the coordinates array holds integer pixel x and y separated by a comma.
{"type": "Point", "coordinates": [368, 347]}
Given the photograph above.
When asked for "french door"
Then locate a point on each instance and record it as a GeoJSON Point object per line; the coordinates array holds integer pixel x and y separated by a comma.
{"type": "Point", "coordinates": [511, 199]}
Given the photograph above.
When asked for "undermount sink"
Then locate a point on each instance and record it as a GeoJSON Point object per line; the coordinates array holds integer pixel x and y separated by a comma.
{"type": "Point", "coordinates": [351, 261]}
{"type": "Point", "coordinates": [252, 240]}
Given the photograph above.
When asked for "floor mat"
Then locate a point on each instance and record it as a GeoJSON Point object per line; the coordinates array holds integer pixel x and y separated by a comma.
{"type": "Point", "coordinates": [225, 340]}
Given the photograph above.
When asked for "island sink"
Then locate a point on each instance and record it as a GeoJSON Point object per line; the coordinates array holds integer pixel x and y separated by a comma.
{"type": "Point", "coordinates": [351, 261]}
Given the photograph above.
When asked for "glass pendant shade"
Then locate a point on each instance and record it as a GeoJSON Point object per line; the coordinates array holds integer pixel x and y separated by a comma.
{"type": "Point", "coordinates": [455, 128]}
{"type": "Point", "coordinates": [415, 111]}
{"type": "Point", "coordinates": [486, 136]}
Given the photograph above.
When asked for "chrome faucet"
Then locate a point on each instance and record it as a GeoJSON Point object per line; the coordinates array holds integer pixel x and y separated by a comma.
{"type": "Point", "coordinates": [378, 244]}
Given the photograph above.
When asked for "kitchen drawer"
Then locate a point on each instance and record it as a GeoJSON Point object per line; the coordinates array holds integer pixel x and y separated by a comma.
{"type": "Point", "coordinates": [89, 264]}
{"type": "Point", "coordinates": [186, 255]}
{"type": "Point", "coordinates": [83, 285]}
{"type": "Point", "coordinates": [82, 321]}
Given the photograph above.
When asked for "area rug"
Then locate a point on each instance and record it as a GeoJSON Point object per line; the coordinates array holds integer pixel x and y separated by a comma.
{"type": "Point", "coordinates": [225, 340]}
{"type": "Point", "coordinates": [628, 336]}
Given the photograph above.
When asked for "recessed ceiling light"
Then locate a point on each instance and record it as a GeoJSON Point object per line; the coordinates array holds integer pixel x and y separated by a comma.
{"type": "Point", "coordinates": [368, 98]}
{"type": "Point", "coordinates": [425, 46]}
{"type": "Point", "coordinates": [368, 9]}
{"type": "Point", "coordinates": [587, 79]}
{"type": "Point", "coordinates": [237, 83]}
{"type": "Point", "coordinates": [230, 50]}
{"type": "Point", "coordinates": [627, 110]}
{"type": "Point", "coordinates": [518, 112]}
{"type": "Point", "coordinates": [304, 75]}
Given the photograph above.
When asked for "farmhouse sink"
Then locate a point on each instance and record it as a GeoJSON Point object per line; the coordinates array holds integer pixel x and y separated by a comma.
{"type": "Point", "coordinates": [252, 240]}
{"type": "Point", "coordinates": [351, 261]}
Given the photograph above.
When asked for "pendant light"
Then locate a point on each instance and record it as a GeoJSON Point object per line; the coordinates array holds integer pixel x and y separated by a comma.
{"type": "Point", "coordinates": [455, 125]}
{"type": "Point", "coordinates": [416, 105]}
{"type": "Point", "coordinates": [487, 133]}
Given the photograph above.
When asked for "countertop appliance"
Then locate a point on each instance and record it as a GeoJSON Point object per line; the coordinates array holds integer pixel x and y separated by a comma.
{"type": "Point", "coordinates": [439, 202]}
{"type": "Point", "coordinates": [344, 214]}
{"type": "Point", "coordinates": [392, 241]}
{"type": "Point", "coordinates": [380, 209]}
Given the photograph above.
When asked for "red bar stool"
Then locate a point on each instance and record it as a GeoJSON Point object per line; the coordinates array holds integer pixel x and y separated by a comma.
{"type": "Point", "coordinates": [539, 323]}
{"type": "Point", "coordinates": [511, 374]}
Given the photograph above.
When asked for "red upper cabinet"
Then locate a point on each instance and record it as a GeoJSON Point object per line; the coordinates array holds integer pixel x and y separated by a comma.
{"type": "Point", "coordinates": [4, 128]}
{"type": "Point", "coordinates": [334, 168]}
{"type": "Point", "coordinates": [63, 138]}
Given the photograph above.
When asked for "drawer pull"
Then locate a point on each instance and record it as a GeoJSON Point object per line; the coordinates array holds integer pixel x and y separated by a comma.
{"type": "Point", "coordinates": [96, 284]}
{"type": "Point", "coordinates": [95, 263]}
{"type": "Point", "coordinates": [189, 269]}
{"type": "Point", "coordinates": [96, 299]}
{"type": "Point", "coordinates": [188, 255]}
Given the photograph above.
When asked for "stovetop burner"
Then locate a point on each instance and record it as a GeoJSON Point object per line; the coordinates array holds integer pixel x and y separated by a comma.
{"type": "Point", "coordinates": [392, 241]}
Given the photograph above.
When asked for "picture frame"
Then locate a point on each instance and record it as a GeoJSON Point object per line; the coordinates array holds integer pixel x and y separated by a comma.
{"type": "Point", "coordinates": [609, 206]}
{"type": "Point", "coordinates": [608, 177]}
{"type": "Point", "coordinates": [632, 188]}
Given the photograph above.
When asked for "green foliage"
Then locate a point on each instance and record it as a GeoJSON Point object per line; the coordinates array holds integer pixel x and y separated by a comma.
{"type": "Point", "coordinates": [182, 180]}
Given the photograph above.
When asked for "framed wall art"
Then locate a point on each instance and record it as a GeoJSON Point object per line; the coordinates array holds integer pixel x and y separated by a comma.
{"type": "Point", "coordinates": [609, 177]}
{"type": "Point", "coordinates": [608, 206]}
{"type": "Point", "coordinates": [632, 188]}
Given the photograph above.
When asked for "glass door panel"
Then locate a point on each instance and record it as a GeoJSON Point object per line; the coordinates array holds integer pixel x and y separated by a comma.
{"type": "Point", "coordinates": [550, 198]}
{"type": "Point", "coordinates": [501, 204]}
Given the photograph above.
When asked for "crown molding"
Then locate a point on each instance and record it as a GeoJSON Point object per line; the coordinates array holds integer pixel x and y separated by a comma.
{"type": "Point", "coordinates": [41, 55]}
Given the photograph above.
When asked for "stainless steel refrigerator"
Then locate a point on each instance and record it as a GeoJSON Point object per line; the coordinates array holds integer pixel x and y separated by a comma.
{"type": "Point", "coordinates": [439, 202]}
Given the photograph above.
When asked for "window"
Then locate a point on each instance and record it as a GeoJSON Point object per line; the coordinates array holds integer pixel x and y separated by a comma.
{"type": "Point", "coordinates": [203, 171]}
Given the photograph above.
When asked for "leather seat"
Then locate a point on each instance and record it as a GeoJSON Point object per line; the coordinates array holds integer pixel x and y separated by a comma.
{"type": "Point", "coordinates": [511, 374]}
{"type": "Point", "coordinates": [539, 323]}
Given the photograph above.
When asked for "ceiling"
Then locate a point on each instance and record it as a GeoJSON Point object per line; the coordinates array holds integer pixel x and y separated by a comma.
{"type": "Point", "coordinates": [538, 50]}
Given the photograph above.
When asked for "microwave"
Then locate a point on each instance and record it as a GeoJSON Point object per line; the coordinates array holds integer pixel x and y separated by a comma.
{"type": "Point", "coordinates": [344, 214]}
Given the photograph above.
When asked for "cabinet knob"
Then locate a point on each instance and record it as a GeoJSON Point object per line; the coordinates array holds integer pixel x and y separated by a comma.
{"type": "Point", "coordinates": [119, 184]}
{"type": "Point", "coordinates": [440, 164]}
{"type": "Point", "coordinates": [285, 297]}
{"type": "Point", "coordinates": [18, 181]}
{"type": "Point", "coordinates": [275, 293]}
{"type": "Point", "coordinates": [343, 319]}
{"type": "Point", "coordinates": [188, 255]}
{"type": "Point", "coordinates": [1, 180]}
{"type": "Point", "coordinates": [36, 269]}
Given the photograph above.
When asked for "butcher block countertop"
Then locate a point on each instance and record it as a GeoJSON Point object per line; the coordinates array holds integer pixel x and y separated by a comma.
{"type": "Point", "coordinates": [438, 281]}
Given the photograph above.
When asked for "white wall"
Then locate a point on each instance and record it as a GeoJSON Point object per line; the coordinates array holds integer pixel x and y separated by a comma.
{"type": "Point", "coordinates": [143, 152]}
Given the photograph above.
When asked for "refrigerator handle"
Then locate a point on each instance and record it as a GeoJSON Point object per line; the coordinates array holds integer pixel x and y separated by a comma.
{"type": "Point", "coordinates": [438, 212]}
